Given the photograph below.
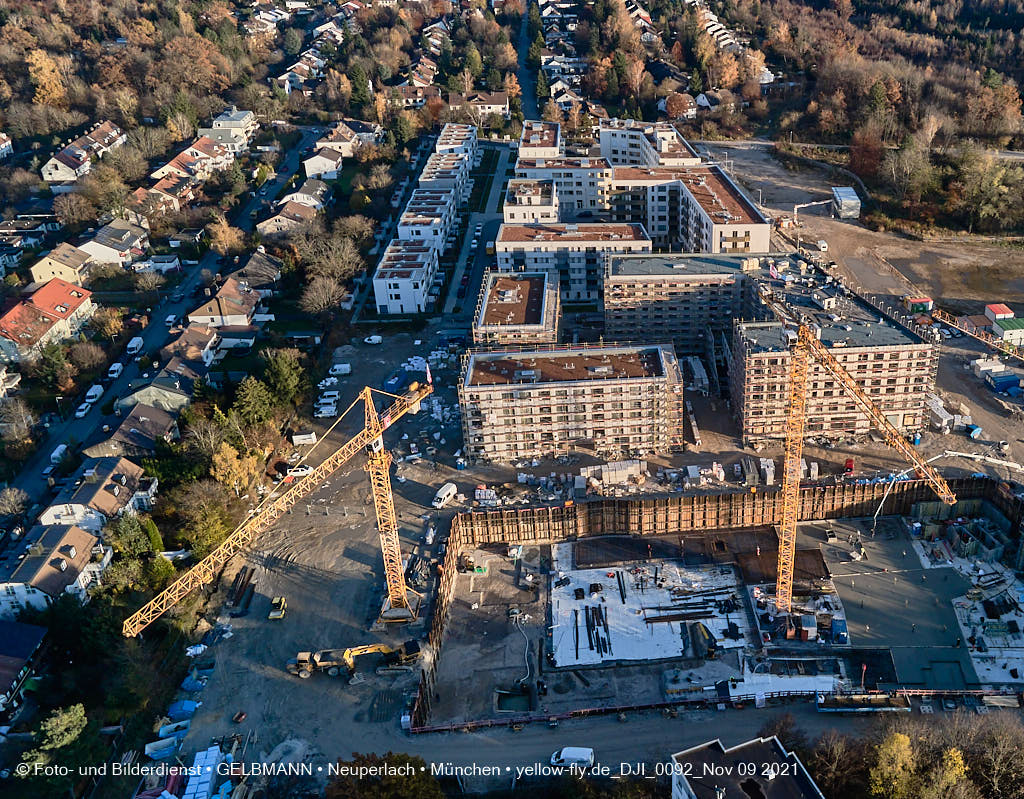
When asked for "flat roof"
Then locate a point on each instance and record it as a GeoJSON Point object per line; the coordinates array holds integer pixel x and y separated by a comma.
{"type": "Point", "coordinates": [1010, 324]}
{"type": "Point", "coordinates": [513, 299]}
{"type": "Point", "coordinates": [564, 365]}
{"type": "Point", "coordinates": [540, 134]}
{"type": "Point", "coordinates": [664, 137]}
{"type": "Point", "coordinates": [519, 189]}
{"type": "Point", "coordinates": [569, 232]}
{"type": "Point", "coordinates": [649, 265]}
{"type": "Point", "coordinates": [719, 773]}
{"type": "Point", "coordinates": [720, 198]}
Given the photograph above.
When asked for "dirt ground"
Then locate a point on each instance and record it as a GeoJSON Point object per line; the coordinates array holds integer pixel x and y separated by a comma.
{"type": "Point", "coordinates": [963, 272]}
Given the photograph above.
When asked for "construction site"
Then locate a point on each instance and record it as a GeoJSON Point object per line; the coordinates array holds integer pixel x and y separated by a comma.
{"type": "Point", "coordinates": [533, 533]}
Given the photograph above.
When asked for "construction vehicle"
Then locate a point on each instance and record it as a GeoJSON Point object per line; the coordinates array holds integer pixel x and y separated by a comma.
{"type": "Point", "coordinates": [401, 604]}
{"type": "Point", "coordinates": [804, 345]}
{"type": "Point", "coordinates": [1005, 347]}
{"type": "Point", "coordinates": [333, 661]}
{"type": "Point", "coordinates": [278, 606]}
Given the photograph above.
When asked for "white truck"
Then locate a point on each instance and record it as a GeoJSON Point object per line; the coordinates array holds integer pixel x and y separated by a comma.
{"type": "Point", "coordinates": [135, 346]}
{"type": "Point", "coordinates": [58, 454]}
{"type": "Point", "coordinates": [444, 495]}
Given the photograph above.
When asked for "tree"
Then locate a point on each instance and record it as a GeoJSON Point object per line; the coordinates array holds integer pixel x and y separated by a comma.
{"type": "Point", "coordinates": [321, 294]}
{"type": "Point", "coordinates": [16, 420]}
{"type": "Point", "coordinates": [233, 469]}
{"type": "Point", "coordinates": [894, 774]}
{"type": "Point", "coordinates": [202, 508]}
{"type": "Point", "coordinates": [866, 150]}
{"type": "Point", "coordinates": [72, 209]}
{"type": "Point", "coordinates": [335, 256]}
{"type": "Point", "coordinates": [13, 501]}
{"type": "Point", "coordinates": [52, 367]}
{"type": "Point", "coordinates": [511, 85]}
{"type": "Point", "coordinates": [392, 782]}
{"type": "Point", "coordinates": [635, 72]}
{"type": "Point", "coordinates": [988, 191]}
{"type": "Point", "coordinates": [948, 775]}
{"type": "Point", "coordinates": [283, 374]}
{"type": "Point", "coordinates": [677, 105]}
{"type": "Point", "coordinates": [127, 537]}
{"type": "Point", "coordinates": [147, 282]}
{"type": "Point", "coordinates": [45, 75]}
{"type": "Point", "coordinates": [87, 355]}
{"type": "Point", "coordinates": [543, 90]}
{"type": "Point", "coordinates": [473, 63]}
{"type": "Point", "coordinates": [909, 168]}
{"type": "Point", "coordinates": [253, 402]}
{"type": "Point", "coordinates": [552, 113]}
{"type": "Point", "coordinates": [293, 39]}
{"type": "Point", "coordinates": [108, 322]}
{"type": "Point", "coordinates": [224, 238]}
{"type": "Point", "coordinates": [203, 437]}
{"type": "Point", "coordinates": [360, 86]}
{"type": "Point", "coordinates": [356, 227]}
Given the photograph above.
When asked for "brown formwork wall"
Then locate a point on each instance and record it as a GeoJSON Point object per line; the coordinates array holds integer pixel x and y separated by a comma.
{"type": "Point", "coordinates": [668, 515]}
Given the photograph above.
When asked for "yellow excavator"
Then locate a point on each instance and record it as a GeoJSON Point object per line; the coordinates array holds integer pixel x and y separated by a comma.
{"type": "Point", "coordinates": [333, 660]}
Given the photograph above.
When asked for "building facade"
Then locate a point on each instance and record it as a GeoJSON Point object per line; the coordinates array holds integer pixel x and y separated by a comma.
{"type": "Point", "coordinates": [525, 404]}
{"type": "Point", "coordinates": [404, 277]}
{"type": "Point", "coordinates": [519, 308]}
{"type": "Point", "coordinates": [530, 201]}
{"type": "Point", "coordinates": [574, 252]}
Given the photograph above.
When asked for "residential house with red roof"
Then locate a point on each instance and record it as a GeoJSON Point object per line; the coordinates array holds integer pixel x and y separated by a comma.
{"type": "Point", "coordinates": [54, 312]}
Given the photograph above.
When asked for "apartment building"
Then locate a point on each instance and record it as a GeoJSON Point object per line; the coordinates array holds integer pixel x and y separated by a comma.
{"type": "Point", "coordinates": [582, 183]}
{"type": "Point", "coordinates": [694, 209]}
{"type": "Point", "coordinates": [448, 171]}
{"type": "Point", "coordinates": [75, 159]}
{"type": "Point", "coordinates": [689, 299]}
{"type": "Point", "coordinates": [520, 308]}
{"type": "Point", "coordinates": [456, 138]}
{"type": "Point", "coordinates": [575, 252]}
{"type": "Point", "coordinates": [630, 142]}
{"type": "Point", "coordinates": [530, 201]}
{"type": "Point", "coordinates": [429, 216]}
{"type": "Point", "coordinates": [54, 312]}
{"type": "Point", "coordinates": [404, 276]}
{"type": "Point", "coordinates": [894, 366]}
{"type": "Point", "coordinates": [540, 140]}
{"type": "Point", "coordinates": [525, 404]}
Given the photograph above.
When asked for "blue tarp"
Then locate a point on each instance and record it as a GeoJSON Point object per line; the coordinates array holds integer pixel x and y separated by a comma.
{"type": "Point", "coordinates": [182, 709]}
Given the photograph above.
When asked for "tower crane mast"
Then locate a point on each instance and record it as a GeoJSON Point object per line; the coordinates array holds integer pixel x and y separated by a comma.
{"type": "Point", "coordinates": [401, 603]}
{"type": "Point", "coordinates": [805, 346]}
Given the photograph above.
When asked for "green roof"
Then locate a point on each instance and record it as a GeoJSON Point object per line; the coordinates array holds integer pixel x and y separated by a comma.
{"type": "Point", "coordinates": [1010, 324]}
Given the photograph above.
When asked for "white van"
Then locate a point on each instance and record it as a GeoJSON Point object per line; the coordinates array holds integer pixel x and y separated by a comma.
{"type": "Point", "coordinates": [341, 369]}
{"type": "Point", "coordinates": [330, 395]}
{"type": "Point", "coordinates": [822, 245]}
{"type": "Point", "coordinates": [573, 756]}
{"type": "Point", "coordinates": [114, 371]}
{"type": "Point", "coordinates": [444, 495]}
{"type": "Point", "coordinates": [94, 393]}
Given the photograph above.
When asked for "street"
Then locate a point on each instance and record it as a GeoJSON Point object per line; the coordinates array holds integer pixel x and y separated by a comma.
{"type": "Point", "coordinates": [75, 432]}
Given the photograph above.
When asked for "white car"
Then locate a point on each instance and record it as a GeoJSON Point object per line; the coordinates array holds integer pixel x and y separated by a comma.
{"type": "Point", "coordinates": [83, 410]}
{"type": "Point", "coordinates": [325, 411]}
{"type": "Point", "coordinates": [327, 382]}
{"type": "Point", "coordinates": [170, 320]}
{"type": "Point", "coordinates": [300, 471]}
{"type": "Point", "coordinates": [373, 340]}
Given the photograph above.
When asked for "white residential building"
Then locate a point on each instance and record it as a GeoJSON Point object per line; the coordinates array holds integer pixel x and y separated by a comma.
{"type": "Point", "coordinates": [102, 489]}
{"type": "Point", "coordinates": [75, 159]}
{"type": "Point", "coordinates": [575, 252]}
{"type": "Point", "coordinates": [51, 561]}
{"type": "Point", "coordinates": [540, 140]}
{"type": "Point", "coordinates": [429, 216]}
{"type": "Point", "coordinates": [404, 276]}
{"type": "Point", "coordinates": [325, 164]}
{"type": "Point", "coordinates": [581, 182]}
{"type": "Point", "coordinates": [628, 142]}
{"type": "Point", "coordinates": [457, 139]}
{"type": "Point", "coordinates": [530, 201]}
{"type": "Point", "coordinates": [448, 171]}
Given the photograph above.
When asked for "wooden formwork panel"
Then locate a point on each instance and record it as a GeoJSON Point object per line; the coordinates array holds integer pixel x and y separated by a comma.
{"type": "Point", "coordinates": [667, 515]}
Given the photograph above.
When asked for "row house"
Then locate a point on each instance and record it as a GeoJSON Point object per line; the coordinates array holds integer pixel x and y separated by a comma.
{"type": "Point", "coordinates": [98, 492]}
{"type": "Point", "coordinates": [53, 560]}
{"type": "Point", "coordinates": [119, 242]}
{"type": "Point", "coordinates": [54, 312]}
{"type": "Point", "coordinates": [75, 159]}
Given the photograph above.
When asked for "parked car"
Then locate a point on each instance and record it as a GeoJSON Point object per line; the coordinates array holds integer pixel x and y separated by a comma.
{"type": "Point", "coordinates": [83, 410]}
{"type": "Point", "coordinates": [373, 340]}
{"type": "Point", "coordinates": [300, 471]}
{"type": "Point", "coordinates": [325, 411]}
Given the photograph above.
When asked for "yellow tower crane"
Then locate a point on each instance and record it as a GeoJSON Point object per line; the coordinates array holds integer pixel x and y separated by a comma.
{"type": "Point", "coordinates": [805, 346]}
{"type": "Point", "coordinates": [402, 603]}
